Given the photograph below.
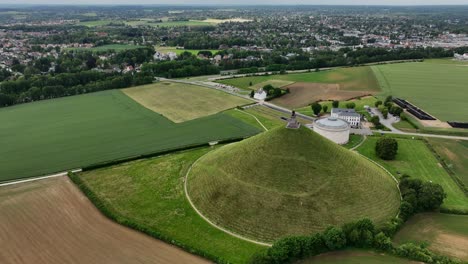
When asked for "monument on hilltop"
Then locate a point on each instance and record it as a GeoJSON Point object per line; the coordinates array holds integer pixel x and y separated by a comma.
{"type": "Point", "coordinates": [292, 121]}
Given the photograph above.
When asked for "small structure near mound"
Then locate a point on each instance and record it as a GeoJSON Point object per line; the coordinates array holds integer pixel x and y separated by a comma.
{"type": "Point", "coordinates": [335, 129]}
{"type": "Point", "coordinates": [260, 94]}
{"type": "Point", "coordinates": [292, 122]}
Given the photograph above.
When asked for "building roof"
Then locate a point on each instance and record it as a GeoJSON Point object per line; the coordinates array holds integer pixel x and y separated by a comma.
{"type": "Point", "coordinates": [345, 112]}
{"type": "Point", "coordinates": [332, 123]}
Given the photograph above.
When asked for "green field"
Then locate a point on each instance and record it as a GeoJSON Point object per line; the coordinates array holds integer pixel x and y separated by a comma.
{"type": "Point", "coordinates": [438, 88]}
{"type": "Point", "coordinates": [151, 193]}
{"type": "Point", "coordinates": [355, 257]}
{"type": "Point", "coordinates": [445, 234]}
{"type": "Point", "coordinates": [180, 51]}
{"type": "Point", "coordinates": [350, 79]}
{"type": "Point", "coordinates": [455, 154]}
{"type": "Point", "coordinates": [191, 23]}
{"type": "Point", "coordinates": [415, 159]}
{"type": "Point", "coordinates": [65, 133]}
{"type": "Point", "coordinates": [116, 47]}
{"type": "Point", "coordinates": [97, 23]}
{"type": "Point", "coordinates": [289, 182]}
{"type": "Point", "coordinates": [182, 102]}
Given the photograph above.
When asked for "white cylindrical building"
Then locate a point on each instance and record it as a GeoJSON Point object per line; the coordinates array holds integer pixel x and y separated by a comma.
{"type": "Point", "coordinates": [335, 129]}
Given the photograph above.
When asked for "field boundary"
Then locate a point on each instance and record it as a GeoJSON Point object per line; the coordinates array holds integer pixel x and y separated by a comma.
{"type": "Point", "coordinates": [261, 124]}
{"type": "Point", "coordinates": [60, 174]}
{"type": "Point", "coordinates": [208, 220]}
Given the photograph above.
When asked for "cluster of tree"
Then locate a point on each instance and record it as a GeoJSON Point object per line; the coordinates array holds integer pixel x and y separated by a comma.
{"type": "Point", "coordinates": [375, 120]}
{"type": "Point", "coordinates": [388, 106]}
{"type": "Point", "coordinates": [418, 196]}
{"type": "Point", "coordinates": [386, 148]}
{"type": "Point", "coordinates": [180, 68]}
{"type": "Point", "coordinates": [4, 74]}
{"type": "Point", "coordinates": [40, 87]}
{"type": "Point", "coordinates": [272, 92]}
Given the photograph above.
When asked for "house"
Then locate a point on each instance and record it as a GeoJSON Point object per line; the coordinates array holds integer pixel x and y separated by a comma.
{"type": "Point", "coordinates": [260, 94]}
{"type": "Point", "coordinates": [349, 115]}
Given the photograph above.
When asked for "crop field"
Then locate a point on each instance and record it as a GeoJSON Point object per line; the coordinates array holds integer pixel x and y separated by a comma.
{"type": "Point", "coordinates": [455, 154]}
{"type": "Point", "coordinates": [445, 234]}
{"type": "Point", "coordinates": [273, 115]}
{"type": "Point", "coordinates": [283, 182]}
{"type": "Point", "coordinates": [438, 88]}
{"type": "Point", "coordinates": [306, 88]}
{"type": "Point", "coordinates": [416, 160]}
{"type": "Point", "coordinates": [349, 79]}
{"type": "Point", "coordinates": [355, 257]}
{"type": "Point", "coordinates": [182, 102]}
{"type": "Point", "coordinates": [180, 51]}
{"type": "Point", "coordinates": [151, 193]}
{"type": "Point", "coordinates": [116, 47]}
{"type": "Point", "coordinates": [61, 134]}
{"type": "Point", "coordinates": [51, 222]}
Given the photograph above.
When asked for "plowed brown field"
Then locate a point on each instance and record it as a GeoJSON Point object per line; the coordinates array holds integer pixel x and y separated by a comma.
{"type": "Point", "coordinates": [302, 94]}
{"type": "Point", "coordinates": [51, 221]}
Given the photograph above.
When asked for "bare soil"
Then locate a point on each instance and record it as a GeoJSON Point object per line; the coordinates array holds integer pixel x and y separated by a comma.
{"type": "Point", "coordinates": [51, 221]}
{"type": "Point", "coordinates": [302, 94]}
{"type": "Point", "coordinates": [451, 244]}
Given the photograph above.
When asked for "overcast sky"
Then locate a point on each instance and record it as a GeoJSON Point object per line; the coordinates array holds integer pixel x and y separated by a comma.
{"type": "Point", "coordinates": [245, 2]}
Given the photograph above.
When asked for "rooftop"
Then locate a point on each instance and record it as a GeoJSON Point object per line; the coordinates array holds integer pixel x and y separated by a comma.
{"type": "Point", "coordinates": [332, 123]}
{"type": "Point", "coordinates": [345, 112]}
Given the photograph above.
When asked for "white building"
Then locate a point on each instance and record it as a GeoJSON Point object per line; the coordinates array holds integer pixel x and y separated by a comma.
{"type": "Point", "coordinates": [335, 129]}
{"type": "Point", "coordinates": [260, 95]}
{"type": "Point", "coordinates": [349, 115]}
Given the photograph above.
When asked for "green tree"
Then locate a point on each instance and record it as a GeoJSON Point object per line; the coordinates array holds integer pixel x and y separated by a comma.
{"type": "Point", "coordinates": [431, 196]}
{"type": "Point", "coordinates": [386, 148]}
{"type": "Point", "coordinates": [335, 104]}
{"type": "Point", "coordinates": [378, 103]}
{"type": "Point", "coordinates": [351, 105]}
{"type": "Point", "coordinates": [252, 93]}
{"type": "Point", "coordinates": [382, 242]}
{"type": "Point", "coordinates": [325, 108]}
{"type": "Point", "coordinates": [334, 238]}
{"type": "Point", "coordinates": [316, 108]}
{"type": "Point", "coordinates": [385, 113]}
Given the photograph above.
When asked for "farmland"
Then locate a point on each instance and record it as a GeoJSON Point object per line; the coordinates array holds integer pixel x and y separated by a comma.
{"type": "Point", "coordinates": [354, 257]}
{"type": "Point", "coordinates": [416, 160]}
{"type": "Point", "coordinates": [445, 234]}
{"type": "Point", "coordinates": [305, 88]}
{"type": "Point", "coordinates": [455, 153]}
{"type": "Point", "coordinates": [51, 222]}
{"type": "Point", "coordinates": [283, 182]}
{"type": "Point", "coordinates": [154, 197]}
{"type": "Point", "coordinates": [183, 102]}
{"type": "Point", "coordinates": [349, 79]}
{"type": "Point", "coordinates": [61, 134]}
{"type": "Point", "coordinates": [438, 88]}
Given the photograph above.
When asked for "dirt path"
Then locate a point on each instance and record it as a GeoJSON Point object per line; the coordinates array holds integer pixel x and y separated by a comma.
{"type": "Point", "coordinates": [51, 221]}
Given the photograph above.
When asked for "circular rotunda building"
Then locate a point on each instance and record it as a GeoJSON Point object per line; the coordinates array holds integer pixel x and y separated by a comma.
{"type": "Point", "coordinates": [335, 129]}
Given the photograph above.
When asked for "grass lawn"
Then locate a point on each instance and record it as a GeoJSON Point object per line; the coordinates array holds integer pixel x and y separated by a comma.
{"type": "Point", "coordinates": [455, 154]}
{"type": "Point", "coordinates": [180, 51]}
{"type": "Point", "coordinates": [151, 193]}
{"type": "Point", "coordinates": [289, 182]}
{"type": "Point", "coordinates": [274, 116]}
{"type": "Point", "coordinates": [182, 102]}
{"type": "Point", "coordinates": [354, 140]}
{"type": "Point", "coordinates": [445, 234]}
{"type": "Point", "coordinates": [349, 79]}
{"type": "Point", "coordinates": [97, 23]}
{"type": "Point", "coordinates": [438, 88]}
{"type": "Point", "coordinates": [61, 134]}
{"type": "Point", "coordinates": [116, 47]}
{"type": "Point", "coordinates": [415, 159]}
{"type": "Point", "coordinates": [357, 256]}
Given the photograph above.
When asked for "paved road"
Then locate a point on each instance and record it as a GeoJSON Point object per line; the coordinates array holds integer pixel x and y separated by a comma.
{"type": "Point", "coordinates": [423, 135]}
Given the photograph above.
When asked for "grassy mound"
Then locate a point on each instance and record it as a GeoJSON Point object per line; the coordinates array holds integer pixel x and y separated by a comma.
{"type": "Point", "coordinates": [289, 182]}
